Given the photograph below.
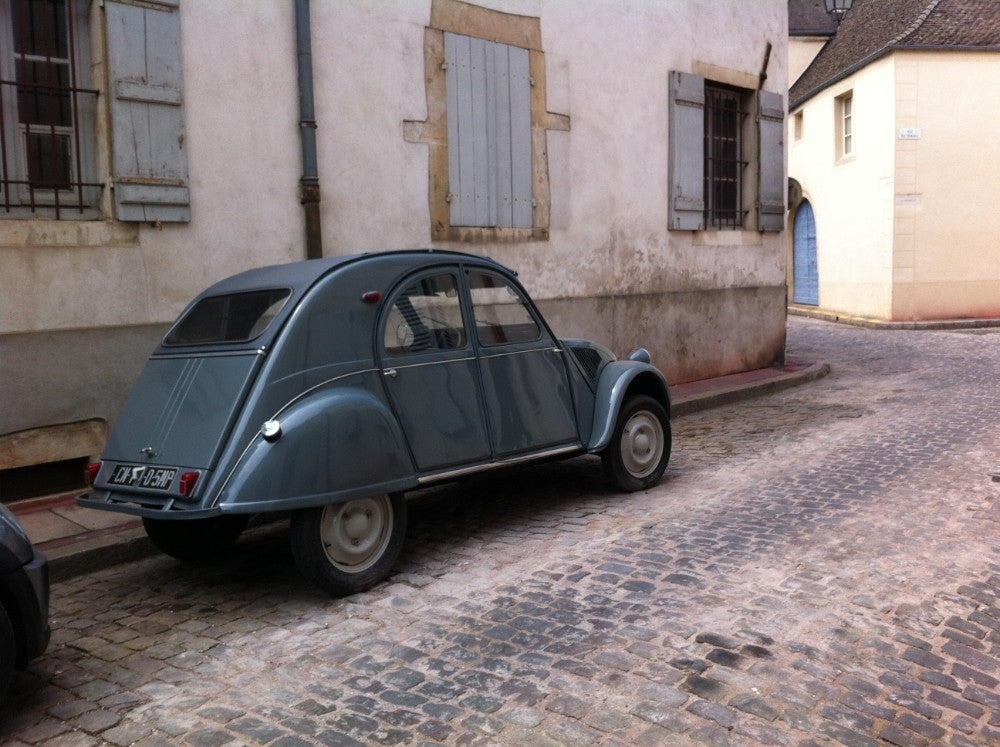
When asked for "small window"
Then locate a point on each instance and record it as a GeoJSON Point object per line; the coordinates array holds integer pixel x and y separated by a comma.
{"type": "Point", "coordinates": [502, 314]}
{"type": "Point", "coordinates": [798, 125]}
{"type": "Point", "coordinates": [845, 125]}
{"type": "Point", "coordinates": [237, 317]}
{"type": "Point", "coordinates": [426, 315]}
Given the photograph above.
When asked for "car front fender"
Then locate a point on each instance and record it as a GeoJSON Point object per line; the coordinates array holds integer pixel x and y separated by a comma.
{"type": "Point", "coordinates": [334, 445]}
{"type": "Point", "coordinates": [619, 380]}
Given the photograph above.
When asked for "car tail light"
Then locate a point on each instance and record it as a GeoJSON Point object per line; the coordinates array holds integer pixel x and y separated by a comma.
{"type": "Point", "coordinates": [187, 483]}
{"type": "Point", "coordinates": [90, 473]}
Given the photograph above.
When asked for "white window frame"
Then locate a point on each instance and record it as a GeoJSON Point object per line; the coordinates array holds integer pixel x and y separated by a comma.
{"type": "Point", "coordinates": [82, 199]}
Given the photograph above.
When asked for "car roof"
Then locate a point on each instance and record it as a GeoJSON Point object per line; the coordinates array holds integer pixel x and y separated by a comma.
{"type": "Point", "coordinates": [299, 277]}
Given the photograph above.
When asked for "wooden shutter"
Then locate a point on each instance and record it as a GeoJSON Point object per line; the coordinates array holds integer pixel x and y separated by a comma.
{"type": "Point", "coordinates": [489, 133]}
{"type": "Point", "coordinates": [771, 190]}
{"type": "Point", "coordinates": [686, 165]}
{"type": "Point", "coordinates": [147, 115]}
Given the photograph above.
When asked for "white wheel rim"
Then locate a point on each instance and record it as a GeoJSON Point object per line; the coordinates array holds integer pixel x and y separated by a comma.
{"type": "Point", "coordinates": [356, 533]}
{"type": "Point", "coordinates": [642, 444]}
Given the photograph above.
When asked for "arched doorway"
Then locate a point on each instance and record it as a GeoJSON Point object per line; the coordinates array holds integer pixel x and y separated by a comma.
{"type": "Point", "coordinates": [805, 274]}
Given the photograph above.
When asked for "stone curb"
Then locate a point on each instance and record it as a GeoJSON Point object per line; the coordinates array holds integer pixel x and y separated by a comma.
{"type": "Point", "coordinates": [870, 323]}
{"type": "Point", "coordinates": [687, 404]}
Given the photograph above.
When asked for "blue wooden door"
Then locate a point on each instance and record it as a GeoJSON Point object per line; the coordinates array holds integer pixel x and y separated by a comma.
{"type": "Point", "coordinates": [805, 273]}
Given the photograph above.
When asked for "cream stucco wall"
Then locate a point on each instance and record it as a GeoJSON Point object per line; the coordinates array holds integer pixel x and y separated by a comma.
{"type": "Point", "coordinates": [705, 303]}
{"type": "Point", "coordinates": [851, 197]}
{"type": "Point", "coordinates": [947, 252]}
{"type": "Point", "coordinates": [802, 50]}
{"type": "Point", "coordinates": [906, 228]}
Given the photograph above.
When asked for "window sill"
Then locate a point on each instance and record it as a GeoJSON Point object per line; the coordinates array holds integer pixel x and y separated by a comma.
{"type": "Point", "coordinates": [17, 233]}
{"type": "Point", "coordinates": [474, 234]}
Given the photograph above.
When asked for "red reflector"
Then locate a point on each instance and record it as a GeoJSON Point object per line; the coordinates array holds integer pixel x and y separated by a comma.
{"type": "Point", "coordinates": [187, 483]}
{"type": "Point", "coordinates": [90, 473]}
{"type": "Point", "coordinates": [372, 297]}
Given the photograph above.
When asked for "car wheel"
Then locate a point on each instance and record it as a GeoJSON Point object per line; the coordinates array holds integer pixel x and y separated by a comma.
{"type": "Point", "coordinates": [640, 444]}
{"type": "Point", "coordinates": [348, 547]}
{"type": "Point", "coordinates": [8, 652]}
{"type": "Point", "coordinates": [195, 539]}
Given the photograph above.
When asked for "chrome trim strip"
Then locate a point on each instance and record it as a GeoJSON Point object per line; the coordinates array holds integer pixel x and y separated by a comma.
{"type": "Point", "coordinates": [430, 363]}
{"type": "Point", "coordinates": [579, 448]}
{"type": "Point", "coordinates": [262, 352]}
{"type": "Point", "coordinates": [484, 354]}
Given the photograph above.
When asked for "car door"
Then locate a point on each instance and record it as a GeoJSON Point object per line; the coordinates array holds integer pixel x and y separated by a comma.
{"type": "Point", "coordinates": [529, 404]}
{"type": "Point", "coordinates": [431, 374]}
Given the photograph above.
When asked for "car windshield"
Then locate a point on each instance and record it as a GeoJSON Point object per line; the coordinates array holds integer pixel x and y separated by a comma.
{"type": "Point", "coordinates": [236, 317]}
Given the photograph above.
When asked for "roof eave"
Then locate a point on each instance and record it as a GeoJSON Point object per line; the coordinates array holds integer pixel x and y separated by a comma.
{"type": "Point", "coordinates": [865, 61]}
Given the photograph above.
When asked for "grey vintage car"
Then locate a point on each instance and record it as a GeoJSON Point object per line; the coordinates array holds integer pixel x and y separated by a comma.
{"type": "Point", "coordinates": [330, 387]}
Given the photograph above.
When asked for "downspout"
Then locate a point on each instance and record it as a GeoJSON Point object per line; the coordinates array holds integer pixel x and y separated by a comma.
{"type": "Point", "coordinates": [309, 183]}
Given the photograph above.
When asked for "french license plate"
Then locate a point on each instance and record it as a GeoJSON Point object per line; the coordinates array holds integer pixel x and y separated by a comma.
{"type": "Point", "coordinates": [140, 476]}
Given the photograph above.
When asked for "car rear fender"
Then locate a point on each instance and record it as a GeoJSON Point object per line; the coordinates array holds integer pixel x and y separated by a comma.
{"type": "Point", "coordinates": [619, 380]}
{"type": "Point", "coordinates": [333, 445]}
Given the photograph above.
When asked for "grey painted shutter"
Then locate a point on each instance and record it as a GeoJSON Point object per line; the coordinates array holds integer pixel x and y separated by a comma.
{"type": "Point", "coordinates": [147, 116]}
{"type": "Point", "coordinates": [489, 133]}
{"type": "Point", "coordinates": [686, 165]}
{"type": "Point", "coordinates": [771, 190]}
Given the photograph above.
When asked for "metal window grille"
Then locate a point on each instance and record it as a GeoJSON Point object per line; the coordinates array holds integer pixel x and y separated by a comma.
{"type": "Point", "coordinates": [723, 158]}
{"type": "Point", "coordinates": [41, 106]}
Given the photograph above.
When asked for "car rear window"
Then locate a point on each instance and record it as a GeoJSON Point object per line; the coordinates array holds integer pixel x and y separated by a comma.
{"type": "Point", "coordinates": [235, 317]}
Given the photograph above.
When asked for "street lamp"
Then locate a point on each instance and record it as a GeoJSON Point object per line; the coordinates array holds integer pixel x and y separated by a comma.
{"type": "Point", "coordinates": [837, 8]}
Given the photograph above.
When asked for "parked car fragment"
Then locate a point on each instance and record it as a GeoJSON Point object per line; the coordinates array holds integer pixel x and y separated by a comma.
{"type": "Point", "coordinates": [24, 599]}
{"type": "Point", "coordinates": [330, 387]}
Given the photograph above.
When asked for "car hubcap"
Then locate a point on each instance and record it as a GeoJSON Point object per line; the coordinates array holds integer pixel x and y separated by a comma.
{"type": "Point", "coordinates": [356, 533]}
{"type": "Point", "coordinates": [642, 444]}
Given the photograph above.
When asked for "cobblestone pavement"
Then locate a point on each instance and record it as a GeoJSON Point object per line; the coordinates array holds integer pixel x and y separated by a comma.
{"type": "Point", "coordinates": [819, 566]}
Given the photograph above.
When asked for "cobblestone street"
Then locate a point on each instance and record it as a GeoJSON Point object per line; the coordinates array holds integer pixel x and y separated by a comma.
{"type": "Point", "coordinates": [818, 566]}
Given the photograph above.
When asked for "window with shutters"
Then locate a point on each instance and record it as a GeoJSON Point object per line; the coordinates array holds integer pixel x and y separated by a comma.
{"type": "Point", "coordinates": [51, 165]}
{"type": "Point", "coordinates": [489, 133]}
{"type": "Point", "coordinates": [487, 124]}
{"type": "Point", "coordinates": [47, 109]}
{"type": "Point", "coordinates": [726, 157]}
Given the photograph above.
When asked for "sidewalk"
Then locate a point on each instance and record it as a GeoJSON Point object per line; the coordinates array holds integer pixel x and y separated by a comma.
{"type": "Point", "coordinates": [79, 540]}
{"type": "Point", "coordinates": [813, 312]}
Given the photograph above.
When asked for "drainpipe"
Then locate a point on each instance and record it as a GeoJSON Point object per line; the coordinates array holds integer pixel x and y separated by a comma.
{"type": "Point", "coordinates": [309, 183]}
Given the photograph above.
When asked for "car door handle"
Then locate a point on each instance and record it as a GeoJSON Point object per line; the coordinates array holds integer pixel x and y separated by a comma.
{"type": "Point", "coordinates": [389, 372]}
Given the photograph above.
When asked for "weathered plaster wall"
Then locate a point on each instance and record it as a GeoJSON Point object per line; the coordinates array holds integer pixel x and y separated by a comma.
{"type": "Point", "coordinates": [606, 70]}
{"type": "Point", "coordinates": [82, 304]}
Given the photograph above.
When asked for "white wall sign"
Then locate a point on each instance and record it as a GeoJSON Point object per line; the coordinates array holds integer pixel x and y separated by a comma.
{"type": "Point", "coordinates": [910, 133]}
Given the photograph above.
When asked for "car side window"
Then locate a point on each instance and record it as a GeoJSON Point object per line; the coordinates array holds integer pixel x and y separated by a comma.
{"type": "Point", "coordinates": [501, 312]}
{"type": "Point", "coordinates": [425, 315]}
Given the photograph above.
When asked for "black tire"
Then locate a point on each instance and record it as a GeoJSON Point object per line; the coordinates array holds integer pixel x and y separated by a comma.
{"type": "Point", "coordinates": [639, 450]}
{"type": "Point", "coordinates": [344, 548]}
{"type": "Point", "coordinates": [195, 539]}
{"type": "Point", "coordinates": [8, 652]}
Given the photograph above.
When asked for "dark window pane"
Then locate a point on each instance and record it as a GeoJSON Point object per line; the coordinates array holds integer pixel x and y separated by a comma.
{"type": "Point", "coordinates": [502, 316]}
{"type": "Point", "coordinates": [40, 28]}
{"type": "Point", "coordinates": [42, 96]}
{"type": "Point", "coordinates": [237, 317]}
{"type": "Point", "coordinates": [48, 160]}
{"type": "Point", "coordinates": [425, 316]}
